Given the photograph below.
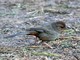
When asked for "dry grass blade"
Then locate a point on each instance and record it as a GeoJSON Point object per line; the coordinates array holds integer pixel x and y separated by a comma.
{"type": "Point", "coordinates": [46, 54]}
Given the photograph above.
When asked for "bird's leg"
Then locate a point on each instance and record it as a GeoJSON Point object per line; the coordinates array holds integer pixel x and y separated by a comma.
{"type": "Point", "coordinates": [47, 45]}
{"type": "Point", "coordinates": [37, 41]}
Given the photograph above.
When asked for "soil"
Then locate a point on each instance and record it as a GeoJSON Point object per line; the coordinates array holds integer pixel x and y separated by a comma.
{"type": "Point", "coordinates": [18, 15]}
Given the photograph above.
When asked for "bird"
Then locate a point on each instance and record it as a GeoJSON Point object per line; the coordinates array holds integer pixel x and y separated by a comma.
{"type": "Point", "coordinates": [49, 32]}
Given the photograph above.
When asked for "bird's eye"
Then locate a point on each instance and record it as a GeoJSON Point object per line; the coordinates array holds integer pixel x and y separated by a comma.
{"type": "Point", "coordinates": [61, 26]}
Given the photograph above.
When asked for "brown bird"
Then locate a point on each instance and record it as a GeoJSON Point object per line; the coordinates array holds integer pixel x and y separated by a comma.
{"type": "Point", "coordinates": [49, 32]}
{"type": "Point", "coordinates": [46, 33]}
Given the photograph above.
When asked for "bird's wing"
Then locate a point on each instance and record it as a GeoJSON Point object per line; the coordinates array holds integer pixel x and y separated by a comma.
{"type": "Point", "coordinates": [39, 29]}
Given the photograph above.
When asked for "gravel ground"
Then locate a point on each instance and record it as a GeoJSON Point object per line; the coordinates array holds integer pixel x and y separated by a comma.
{"type": "Point", "coordinates": [19, 15]}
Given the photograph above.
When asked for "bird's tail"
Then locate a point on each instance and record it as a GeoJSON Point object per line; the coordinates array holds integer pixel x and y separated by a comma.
{"type": "Point", "coordinates": [17, 34]}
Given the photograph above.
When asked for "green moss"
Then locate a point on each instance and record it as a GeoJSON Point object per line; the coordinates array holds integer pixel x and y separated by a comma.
{"type": "Point", "coordinates": [66, 44]}
{"type": "Point", "coordinates": [45, 54]}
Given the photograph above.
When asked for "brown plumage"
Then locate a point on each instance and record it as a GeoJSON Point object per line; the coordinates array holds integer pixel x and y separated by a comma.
{"type": "Point", "coordinates": [48, 33]}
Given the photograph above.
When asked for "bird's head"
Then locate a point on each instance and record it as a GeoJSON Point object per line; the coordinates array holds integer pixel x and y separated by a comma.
{"type": "Point", "coordinates": [59, 26]}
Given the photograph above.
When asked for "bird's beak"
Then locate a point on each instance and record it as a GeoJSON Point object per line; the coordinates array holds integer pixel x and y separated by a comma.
{"type": "Point", "coordinates": [68, 27]}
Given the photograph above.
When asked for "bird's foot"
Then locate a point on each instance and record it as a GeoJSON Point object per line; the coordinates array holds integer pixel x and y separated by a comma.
{"type": "Point", "coordinates": [47, 45]}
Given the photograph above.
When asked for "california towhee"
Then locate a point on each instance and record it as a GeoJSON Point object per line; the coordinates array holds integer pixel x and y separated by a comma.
{"type": "Point", "coordinates": [49, 32]}
{"type": "Point", "coordinates": [46, 33]}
